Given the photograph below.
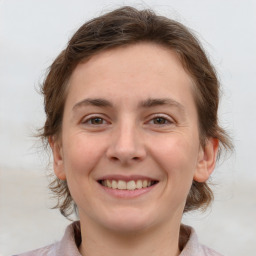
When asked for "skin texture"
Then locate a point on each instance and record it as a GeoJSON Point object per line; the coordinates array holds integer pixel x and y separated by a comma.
{"type": "Point", "coordinates": [131, 111]}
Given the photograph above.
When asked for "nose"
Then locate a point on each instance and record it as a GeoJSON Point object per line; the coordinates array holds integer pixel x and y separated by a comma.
{"type": "Point", "coordinates": [126, 145]}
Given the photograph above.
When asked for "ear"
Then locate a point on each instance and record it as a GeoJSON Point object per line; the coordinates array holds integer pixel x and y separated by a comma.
{"type": "Point", "coordinates": [206, 160]}
{"type": "Point", "coordinates": [57, 157]}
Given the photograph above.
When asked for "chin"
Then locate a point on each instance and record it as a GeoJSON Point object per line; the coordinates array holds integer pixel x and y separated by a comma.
{"type": "Point", "coordinates": [125, 227]}
{"type": "Point", "coordinates": [128, 222]}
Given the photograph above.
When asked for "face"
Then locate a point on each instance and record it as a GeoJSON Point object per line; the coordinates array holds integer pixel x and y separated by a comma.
{"type": "Point", "coordinates": [129, 146]}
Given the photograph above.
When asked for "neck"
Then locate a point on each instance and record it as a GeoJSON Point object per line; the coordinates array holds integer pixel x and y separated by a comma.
{"type": "Point", "coordinates": [97, 241]}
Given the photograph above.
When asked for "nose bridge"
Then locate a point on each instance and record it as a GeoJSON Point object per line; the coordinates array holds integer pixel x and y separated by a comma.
{"type": "Point", "coordinates": [127, 144]}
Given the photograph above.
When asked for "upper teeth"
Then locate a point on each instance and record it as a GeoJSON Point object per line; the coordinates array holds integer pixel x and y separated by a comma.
{"type": "Point", "coordinates": [130, 185]}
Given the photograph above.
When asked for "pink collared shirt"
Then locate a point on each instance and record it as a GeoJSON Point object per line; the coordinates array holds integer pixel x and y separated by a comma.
{"type": "Point", "coordinates": [68, 245]}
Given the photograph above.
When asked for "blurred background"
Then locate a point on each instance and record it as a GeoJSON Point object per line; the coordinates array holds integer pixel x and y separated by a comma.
{"type": "Point", "coordinates": [32, 33]}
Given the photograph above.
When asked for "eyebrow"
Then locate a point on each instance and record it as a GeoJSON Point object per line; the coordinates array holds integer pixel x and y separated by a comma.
{"type": "Point", "coordinates": [94, 102]}
{"type": "Point", "coordinates": [151, 102]}
{"type": "Point", "coordinates": [161, 101]}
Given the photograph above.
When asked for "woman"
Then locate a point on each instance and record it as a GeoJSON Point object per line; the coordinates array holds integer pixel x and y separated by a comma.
{"type": "Point", "coordinates": [131, 117]}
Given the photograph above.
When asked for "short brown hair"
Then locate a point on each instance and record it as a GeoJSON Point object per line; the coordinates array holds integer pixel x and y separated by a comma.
{"type": "Point", "coordinates": [126, 26]}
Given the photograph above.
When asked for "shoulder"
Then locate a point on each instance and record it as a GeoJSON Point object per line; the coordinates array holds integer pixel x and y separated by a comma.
{"type": "Point", "coordinates": [47, 250]}
{"type": "Point", "coordinates": [191, 246]}
{"type": "Point", "coordinates": [208, 251]}
{"type": "Point", "coordinates": [67, 246]}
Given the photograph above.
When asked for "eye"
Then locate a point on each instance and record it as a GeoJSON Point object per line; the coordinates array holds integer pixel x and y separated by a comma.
{"type": "Point", "coordinates": [160, 120]}
{"type": "Point", "coordinates": [95, 120]}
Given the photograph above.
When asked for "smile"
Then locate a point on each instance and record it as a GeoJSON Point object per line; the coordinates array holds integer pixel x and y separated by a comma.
{"type": "Point", "coordinates": [127, 185]}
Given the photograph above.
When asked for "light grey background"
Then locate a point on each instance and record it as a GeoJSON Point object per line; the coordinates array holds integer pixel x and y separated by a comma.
{"type": "Point", "coordinates": [33, 32]}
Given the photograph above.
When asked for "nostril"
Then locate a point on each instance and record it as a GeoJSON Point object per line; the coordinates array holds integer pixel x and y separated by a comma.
{"type": "Point", "coordinates": [114, 158]}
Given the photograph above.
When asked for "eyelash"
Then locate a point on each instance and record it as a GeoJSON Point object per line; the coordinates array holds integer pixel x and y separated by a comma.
{"type": "Point", "coordinates": [167, 120]}
{"type": "Point", "coordinates": [90, 119]}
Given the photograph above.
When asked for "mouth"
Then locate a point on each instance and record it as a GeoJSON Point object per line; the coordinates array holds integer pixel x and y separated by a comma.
{"type": "Point", "coordinates": [127, 185]}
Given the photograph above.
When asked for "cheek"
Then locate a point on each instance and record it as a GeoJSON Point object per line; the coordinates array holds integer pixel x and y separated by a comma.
{"type": "Point", "coordinates": [178, 159]}
{"type": "Point", "coordinates": [179, 153]}
{"type": "Point", "coordinates": [81, 154]}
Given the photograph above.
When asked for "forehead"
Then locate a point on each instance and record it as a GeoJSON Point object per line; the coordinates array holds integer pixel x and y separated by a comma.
{"type": "Point", "coordinates": [145, 54]}
{"type": "Point", "coordinates": [149, 69]}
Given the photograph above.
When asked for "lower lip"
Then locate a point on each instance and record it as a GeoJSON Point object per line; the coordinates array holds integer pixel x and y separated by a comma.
{"type": "Point", "coordinates": [124, 193]}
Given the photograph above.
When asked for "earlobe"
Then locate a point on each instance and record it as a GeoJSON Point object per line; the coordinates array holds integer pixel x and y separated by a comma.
{"type": "Point", "coordinates": [57, 158]}
{"type": "Point", "coordinates": [206, 160]}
